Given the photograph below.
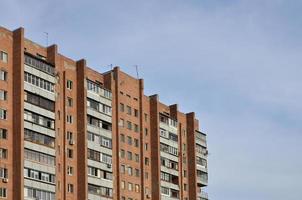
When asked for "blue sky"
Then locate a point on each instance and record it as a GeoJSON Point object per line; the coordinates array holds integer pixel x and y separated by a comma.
{"type": "Point", "coordinates": [237, 63]}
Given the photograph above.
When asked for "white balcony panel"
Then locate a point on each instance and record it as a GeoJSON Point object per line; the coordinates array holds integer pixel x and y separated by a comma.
{"type": "Point", "coordinates": [169, 142]}
{"type": "Point", "coordinates": [201, 168]}
{"type": "Point", "coordinates": [96, 146]}
{"type": "Point", "coordinates": [39, 167]}
{"type": "Point", "coordinates": [39, 185]}
{"type": "Point", "coordinates": [39, 91]}
{"type": "Point", "coordinates": [169, 156]}
{"type": "Point", "coordinates": [39, 110]}
{"type": "Point", "coordinates": [169, 171]}
{"type": "Point", "coordinates": [100, 182]}
{"type": "Point", "coordinates": [99, 98]}
{"type": "Point", "coordinates": [169, 128]}
{"type": "Point", "coordinates": [169, 185]}
{"type": "Point", "coordinates": [99, 131]}
{"type": "Point", "coordinates": [39, 148]}
{"type": "Point", "coordinates": [164, 197]}
{"type": "Point", "coordinates": [99, 165]}
{"type": "Point", "coordinates": [99, 115]}
{"type": "Point", "coordinates": [39, 129]}
{"type": "Point", "coordinates": [40, 74]}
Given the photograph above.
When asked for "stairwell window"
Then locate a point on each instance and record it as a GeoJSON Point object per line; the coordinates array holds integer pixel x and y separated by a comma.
{"type": "Point", "coordinates": [3, 95]}
{"type": "Point", "coordinates": [69, 119]}
{"type": "Point", "coordinates": [3, 192]}
{"type": "Point", "coordinates": [3, 114]}
{"type": "Point", "coordinates": [3, 75]}
{"type": "Point", "coordinates": [69, 84]}
{"type": "Point", "coordinates": [3, 153]}
{"type": "Point", "coordinates": [3, 133]}
{"type": "Point", "coordinates": [3, 56]}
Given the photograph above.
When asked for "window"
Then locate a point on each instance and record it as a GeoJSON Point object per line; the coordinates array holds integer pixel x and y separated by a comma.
{"type": "Point", "coordinates": [69, 84]}
{"type": "Point", "coordinates": [3, 173]}
{"type": "Point", "coordinates": [129, 110]}
{"type": "Point", "coordinates": [123, 185]}
{"type": "Point", "coordinates": [129, 155]}
{"type": "Point", "coordinates": [135, 112]}
{"type": "Point", "coordinates": [137, 172]}
{"type": "Point", "coordinates": [123, 169]}
{"type": "Point", "coordinates": [3, 95]}
{"type": "Point", "coordinates": [70, 170]}
{"type": "Point", "coordinates": [3, 114]}
{"type": "Point", "coordinates": [3, 56]}
{"type": "Point", "coordinates": [173, 137]}
{"type": "Point", "coordinates": [165, 191]}
{"type": "Point", "coordinates": [129, 139]}
{"type": "Point", "coordinates": [146, 117]}
{"type": "Point", "coordinates": [39, 138]}
{"type": "Point", "coordinates": [3, 133]}
{"type": "Point", "coordinates": [136, 143]}
{"type": "Point", "coordinates": [70, 188]}
{"type": "Point", "coordinates": [106, 158]}
{"type": "Point", "coordinates": [146, 131]}
{"type": "Point", "coordinates": [39, 82]}
{"type": "Point", "coordinates": [136, 129]}
{"type": "Point", "coordinates": [38, 119]}
{"type": "Point", "coordinates": [122, 107]}
{"type": "Point", "coordinates": [92, 171]}
{"type": "Point", "coordinates": [130, 186]}
{"type": "Point", "coordinates": [39, 101]}
{"type": "Point", "coordinates": [122, 153]}
{"type": "Point", "coordinates": [69, 119]}
{"type": "Point", "coordinates": [136, 157]}
{"type": "Point", "coordinates": [3, 75]}
{"type": "Point", "coordinates": [121, 123]}
{"type": "Point", "coordinates": [69, 153]}
{"type": "Point", "coordinates": [39, 64]}
{"type": "Point", "coordinates": [122, 137]}
{"type": "Point", "coordinates": [33, 193]}
{"type": "Point", "coordinates": [93, 155]}
{"type": "Point", "coordinates": [106, 142]}
{"type": "Point", "coordinates": [129, 125]}
{"type": "Point", "coordinates": [130, 171]}
{"type": "Point", "coordinates": [3, 192]}
{"type": "Point", "coordinates": [38, 175]}
{"type": "Point", "coordinates": [69, 136]}
{"type": "Point", "coordinates": [146, 146]}
{"type": "Point", "coordinates": [136, 188]}
{"type": "Point", "coordinates": [146, 161]}
{"type": "Point", "coordinates": [3, 153]}
{"type": "Point", "coordinates": [69, 102]}
{"type": "Point", "coordinates": [39, 157]}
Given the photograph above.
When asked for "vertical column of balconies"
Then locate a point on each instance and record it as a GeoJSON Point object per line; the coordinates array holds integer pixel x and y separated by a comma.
{"type": "Point", "coordinates": [169, 158]}
{"type": "Point", "coordinates": [39, 129]}
{"type": "Point", "coordinates": [99, 136]}
{"type": "Point", "coordinates": [201, 164]}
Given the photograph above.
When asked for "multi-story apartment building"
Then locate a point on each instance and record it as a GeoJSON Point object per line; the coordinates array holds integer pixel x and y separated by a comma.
{"type": "Point", "coordinates": [69, 132]}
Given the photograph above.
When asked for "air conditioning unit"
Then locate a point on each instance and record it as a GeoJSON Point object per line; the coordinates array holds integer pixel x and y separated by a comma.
{"type": "Point", "coordinates": [109, 165]}
{"type": "Point", "coordinates": [5, 180]}
{"type": "Point", "coordinates": [71, 142]}
{"type": "Point", "coordinates": [148, 196]}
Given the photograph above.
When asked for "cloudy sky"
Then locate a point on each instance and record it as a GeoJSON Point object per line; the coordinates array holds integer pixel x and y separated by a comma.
{"type": "Point", "coordinates": [236, 63]}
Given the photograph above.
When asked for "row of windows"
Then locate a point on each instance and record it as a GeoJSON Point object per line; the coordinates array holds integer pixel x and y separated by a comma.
{"type": "Point", "coordinates": [3, 57]}
{"type": "Point", "coordinates": [98, 156]}
{"type": "Point", "coordinates": [92, 171]}
{"type": "Point", "coordinates": [39, 82]}
{"type": "Point", "coordinates": [3, 192]}
{"type": "Point", "coordinates": [39, 119]}
{"type": "Point", "coordinates": [130, 171]}
{"type": "Point", "coordinates": [201, 149]}
{"type": "Point", "coordinates": [38, 138]}
{"type": "Point", "coordinates": [130, 141]}
{"type": "Point", "coordinates": [168, 149]}
{"type": "Point", "coordinates": [98, 123]}
{"type": "Point", "coordinates": [169, 178]}
{"type": "Point", "coordinates": [40, 65]}
{"type": "Point", "coordinates": [99, 106]}
{"type": "Point", "coordinates": [135, 127]}
{"type": "Point", "coordinates": [169, 163]}
{"type": "Point", "coordinates": [169, 192]}
{"type": "Point", "coordinates": [201, 161]}
{"type": "Point", "coordinates": [39, 157]}
{"type": "Point", "coordinates": [99, 190]}
{"type": "Point", "coordinates": [38, 194]}
{"type": "Point", "coordinates": [131, 186]}
{"type": "Point", "coordinates": [168, 121]}
{"type": "Point", "coordinates": [129, 155]}
{"type": "Point", "coordinates": [129, 110]}
{"type": "Point", "coordinates": [103, 141]}
{"type": "Point", "coordinates": [38, 175]}
{"type": "Point", "coordinates": [168, 135]}
{"type": "Point", "coordinates": [202, 175]}
{"type": "Point", "coordinates": [39, 101]}
{"type": "Point", "coordinates": [96, 88]}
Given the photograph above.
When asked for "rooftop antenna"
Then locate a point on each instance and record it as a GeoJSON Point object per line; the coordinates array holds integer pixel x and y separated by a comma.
{"type": "Point", "coordinates": [46, 34]}
{"type": "Point", "coordinates": [136, 68]}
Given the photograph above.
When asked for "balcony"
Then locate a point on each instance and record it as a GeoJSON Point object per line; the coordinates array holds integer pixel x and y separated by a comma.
{"type": "Point", "coordinates": [202, 195]}
{"type": "Point", "coordinates": [201, 138]}
{"type": "Point", "coordinates": [202, 179]}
